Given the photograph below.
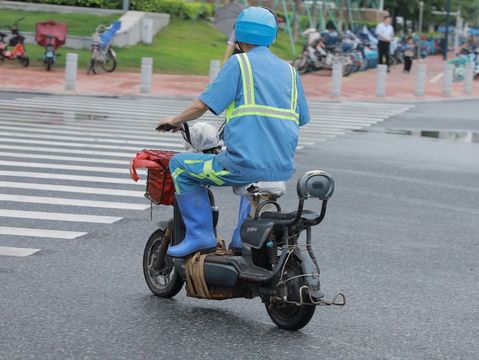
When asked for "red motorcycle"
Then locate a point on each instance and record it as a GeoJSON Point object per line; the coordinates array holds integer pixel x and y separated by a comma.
{"type": "Point", "coordinates": [16, 42]}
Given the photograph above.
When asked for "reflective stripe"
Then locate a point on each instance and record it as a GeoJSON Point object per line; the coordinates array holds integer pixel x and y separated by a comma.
{"type": "Point", "coordinates": [249, 75]}
{"type": "Point", "coordinates": [174, 175]}
{"type": "Point", "coordinates": [190, 162]}
{"type": "Point", "coordinates": [265, 111]}
{"type": "Point", "coordinates": [208, 173]}
{"type": "Point", "coordinates": [250, 107]}
{"type": "Point", "coordinates": [245, 76]}
{"type": "Point", "coordinates": [294, 89]}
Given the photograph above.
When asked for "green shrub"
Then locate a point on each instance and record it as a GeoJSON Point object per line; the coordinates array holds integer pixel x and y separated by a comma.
{"type": "Point", "coordinates": [176, 8]}
{"type": "Point", "coordinates": [106, 4]}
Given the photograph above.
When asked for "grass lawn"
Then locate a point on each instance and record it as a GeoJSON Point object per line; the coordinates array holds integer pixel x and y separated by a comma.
{"type": "Point", "coordinates": [183, 47]}
{"type": "Point", "coordinates": [78, 24]}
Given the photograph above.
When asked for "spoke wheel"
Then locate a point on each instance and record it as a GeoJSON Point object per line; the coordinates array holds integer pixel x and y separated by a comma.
{"type": "Point", "coordinates": [24, 61]}
{"type": "Point", "coordinates": [161, 276]}
{"type": "Point", "coordinates": [289, 316]}
{"type": "Point", "coordinates": [109, 65]}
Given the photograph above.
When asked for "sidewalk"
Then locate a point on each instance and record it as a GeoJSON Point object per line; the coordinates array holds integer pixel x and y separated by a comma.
{"type": "Point", "coordinates": [358, 86]}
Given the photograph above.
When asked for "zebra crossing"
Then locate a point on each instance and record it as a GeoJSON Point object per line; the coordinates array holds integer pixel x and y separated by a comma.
{"type": "Point", "coordinates": [64, 159]}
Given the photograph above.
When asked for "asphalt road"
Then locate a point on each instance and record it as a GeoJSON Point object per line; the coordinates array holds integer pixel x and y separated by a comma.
{"type": "Point", "coordinates": [400, 239]}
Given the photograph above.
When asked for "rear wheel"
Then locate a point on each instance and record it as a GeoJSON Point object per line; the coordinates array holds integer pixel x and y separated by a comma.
{"type": "Point", "coordinates": [109, 65]}
{"type": "Point", "coordinates": [290, 316]}
{"type": "Point", "coordinates": [161, 276]}
{"type": "Point", "coordinates": [24, 61]}
{"type": "Point", "coordinates": [301, 64]}
{"type": "Point", "coordinates": [48, 64]}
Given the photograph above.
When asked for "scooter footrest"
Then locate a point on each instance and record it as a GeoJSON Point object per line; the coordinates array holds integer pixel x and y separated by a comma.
{"type": "Point", "coordinates": [255, 274]}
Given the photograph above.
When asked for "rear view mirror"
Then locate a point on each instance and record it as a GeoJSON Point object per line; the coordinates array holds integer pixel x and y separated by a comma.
{"type": "Point", "coordinates": [318, 184]}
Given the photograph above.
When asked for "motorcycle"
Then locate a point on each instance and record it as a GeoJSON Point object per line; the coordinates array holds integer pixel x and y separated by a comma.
{"type": "Point", "coordinates": [276, 263]}
{"type": "Point", "coordinates": [17, 43]}
{"type": "Point", "coordinates": [318, 55]}
{"type": "Point", "coordinates": [102, 54]}
{"type": "Point", "coordinates": [51, 35]}
{"type": "Point", "coordinates": [463, 57]}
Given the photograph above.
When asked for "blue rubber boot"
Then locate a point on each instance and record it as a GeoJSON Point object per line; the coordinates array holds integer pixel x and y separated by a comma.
{"type": "Point", "coordinates": [196, 211]}
{"type": "Point", "coordinates": [244, 211]}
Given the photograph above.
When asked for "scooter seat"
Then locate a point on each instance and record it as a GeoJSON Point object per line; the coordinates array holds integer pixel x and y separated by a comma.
{"type": "Point", "coordinates": [3, 35]}
{"type": "Point", "coordinates": [262, 188]}
{"type": "Point", "coordinates": [284, 217]}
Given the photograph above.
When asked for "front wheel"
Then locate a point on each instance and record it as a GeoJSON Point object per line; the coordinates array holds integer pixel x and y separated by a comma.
{"type": "Point", "coordinates": [109, 64]}
{"type": "Point", "coordinates": [160, 274]}
{"type": "Point", "coordinates": [286, 315]}
{"type": "Point", "coordinates": [24, 61]}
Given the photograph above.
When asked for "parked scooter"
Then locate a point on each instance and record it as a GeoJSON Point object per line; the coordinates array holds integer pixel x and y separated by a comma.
{"type": "Point", "coordinates": [102, 54]}
{"type": "Point", "coordinates": [318, 55]}
{"type": "Point", "coordinates": [51, 35]}
{"type": "Point", "coordinates": [272, 264]}
{"type": "Point", "coordinates": [465, 56]}
{"type": "Point", "coordinates": [18, 51]}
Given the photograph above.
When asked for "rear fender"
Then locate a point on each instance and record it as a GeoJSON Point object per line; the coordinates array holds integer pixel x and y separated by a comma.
{"type": "Point", "coordinates": [309, 269]}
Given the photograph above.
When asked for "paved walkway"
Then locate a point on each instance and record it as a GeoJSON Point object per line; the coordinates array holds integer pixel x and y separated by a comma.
{"type": "Point", "coordinates": [358, 86]}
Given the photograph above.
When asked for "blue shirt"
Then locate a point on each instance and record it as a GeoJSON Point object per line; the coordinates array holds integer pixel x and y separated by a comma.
{"type": "Point", "coordinates": [259, 147]}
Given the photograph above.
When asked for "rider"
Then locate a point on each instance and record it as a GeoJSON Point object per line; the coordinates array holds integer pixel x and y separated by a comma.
{"type": "Point", "coordinates": [264, 103]}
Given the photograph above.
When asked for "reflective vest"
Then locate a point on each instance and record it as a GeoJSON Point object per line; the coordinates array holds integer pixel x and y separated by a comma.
{"type": "Point", "coordinates": [250, 107]}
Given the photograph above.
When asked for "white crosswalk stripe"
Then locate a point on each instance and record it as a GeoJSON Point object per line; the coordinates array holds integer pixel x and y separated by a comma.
{"type": "Point", "coordinates": [68, 153]}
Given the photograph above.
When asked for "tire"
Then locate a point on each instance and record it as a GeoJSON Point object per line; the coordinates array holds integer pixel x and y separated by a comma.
{"type": "Point", "coordinates": [290, 316]}
{"type": "Point", "coordinates": [24, 61]}
{"type": "Point", "coordinates": [301, 64]}
{"type": "Point", "coordinates": [109, 65]}
{"type": "Point", "coordinates": [48, 65]}
{"type": "Point", "coordinates": [347, 70]}
{"type": "Point", "coordinates": [170, 287]}
{"type": "Point", "coordinates": [458, 74]}
{"type": "Point", "coordinates": [92, 67]}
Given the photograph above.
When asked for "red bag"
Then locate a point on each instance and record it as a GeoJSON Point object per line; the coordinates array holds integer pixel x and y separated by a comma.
{"type": "Point", "coordinates": [159, 183]}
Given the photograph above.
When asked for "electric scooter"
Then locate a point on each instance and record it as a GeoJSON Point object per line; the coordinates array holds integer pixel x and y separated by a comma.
{"type": "Point", "coordinates": [17, 42]}
{"type": "Point", "coordinates": [276, 263]}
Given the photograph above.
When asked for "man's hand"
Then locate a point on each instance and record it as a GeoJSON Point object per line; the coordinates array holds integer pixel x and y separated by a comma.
{"type": "Point", "coordinates": [192, 112]}
{"type": "Point", "coordinates": [168, 122]}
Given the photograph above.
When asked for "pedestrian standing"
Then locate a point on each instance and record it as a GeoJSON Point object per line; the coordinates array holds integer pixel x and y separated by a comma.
{"type": "Point", "coordinates": [408, 54]}
{"type": "Point", "coordinates": [385, 34]}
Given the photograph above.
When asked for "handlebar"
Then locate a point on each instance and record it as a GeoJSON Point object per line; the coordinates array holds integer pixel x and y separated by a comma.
{"type": "Point", "coordinates": [166, 127]}
{"type": "Point", "coordinates": [185, 130]}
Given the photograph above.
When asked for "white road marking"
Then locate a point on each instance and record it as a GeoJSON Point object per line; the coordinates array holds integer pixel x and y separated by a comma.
{"type": "Point", "coordinates": [40, 215]}
{"type": "Point", "coordinates": [14, 251]}
{"type": "Point", "coordinates": [72, 189]}
{"type": "Point", "coordinates": [83, 135]}
{"type": "Point", "coordinates": [79, 138]}
{"type": "Point", "coordinates": [73, 202]}
{"type": "Point", "coordinates": [128, 155]}
{"type": "Point", "coordinates": [43, 233]}
{"type": "Point", "coordinates": [36, 165]}
{"type": "Point", "coordinates": [124, 163]}
{"type": "Point", "coordinates": [94, 146]}
{"type": "Point", "coordinates": [55, 176]}
{"type": "Point", "coordinates": [436, 78]}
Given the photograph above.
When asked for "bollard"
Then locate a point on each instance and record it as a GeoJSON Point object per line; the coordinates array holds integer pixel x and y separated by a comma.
{"type": "Point", "coordinates": [336, 80]}
{"type": "Point", "coordinates": [381, 75]}
{"type": "Point", "coordinates": [71, 68]}
{"type": "Point", "coordinates": [447, 81]}
{"type": "Point", "coordinates": [215, 66]}
{"type": "Point", "coordinates": [147, 32]}
{"type": "Point", "coordinates": [469, 78]}
{"type": "Point", "coordinates": [420, 79]}
{"type": "Point", "coordinates": [146, 75]}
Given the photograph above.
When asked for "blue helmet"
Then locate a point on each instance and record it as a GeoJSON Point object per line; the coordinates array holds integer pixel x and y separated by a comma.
{"type": "Point", "coordinates": [256, 26]}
